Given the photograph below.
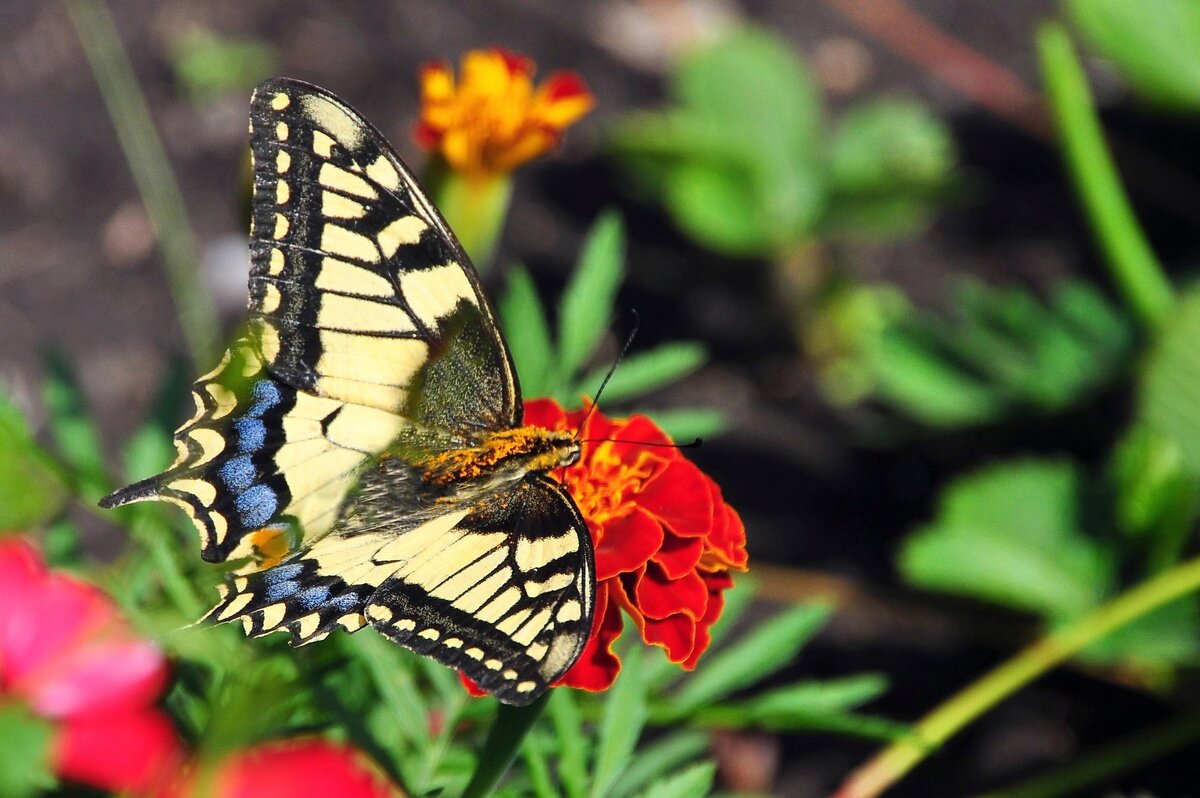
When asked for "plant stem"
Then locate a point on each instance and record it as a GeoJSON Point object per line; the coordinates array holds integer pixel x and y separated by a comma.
{"type": "Point", "coordinates": [1135, 269]}
{"type": "Point", "coordinates": [893, 762]}
{"type": "Point", "coordinates": [152, 173]}
{"type": "Point", "coordinates": [1112, 759]}
{"type": "Point", "coordinates": [501, 746]}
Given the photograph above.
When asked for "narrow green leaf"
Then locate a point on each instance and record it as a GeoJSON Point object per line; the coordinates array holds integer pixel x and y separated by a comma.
{"type": "Point", "coordinates": [653, 760]}
{"type": "Point", "coordinates": [503, 742]}
{"type": "Point", "coordinates": [523, 320]}
{"type": "Point", "coordinates": [621, 724]}
{"type": "Point", "coordinates": [568, 728]}
{"type": "Point", "coordinates": [25, 757]}
{"type": "Point", "coordinates": [761, 652]}
{"type": "Point", "coordinates": [816, 698]}
{"type": "Point", "coordinates": [586, 308]}
{"type": "Point", "coordinates": [643, 372]}
{"type": "Point", "coordinates": [690, 782]}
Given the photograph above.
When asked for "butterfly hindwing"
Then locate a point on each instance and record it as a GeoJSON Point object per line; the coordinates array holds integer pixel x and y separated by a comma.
{"type": "Point", "coordinates": [358, 289]}
{"type": "Point", "coordinates": [495, 590]}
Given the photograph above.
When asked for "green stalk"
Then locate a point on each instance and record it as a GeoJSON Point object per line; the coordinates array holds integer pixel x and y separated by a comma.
{"type": "Point", "coordinates": [475, 207]}
{"type": "Point", "coordinates": [1108, 761]}
{"type": "Point", "coordinates": [152, 173]}
{"type": "Point", "coordinates": [1135, 269]}
{"type": "Point", "coordinates": [500, 749]}
{"type": "Point", "coordinates": [893, 762]}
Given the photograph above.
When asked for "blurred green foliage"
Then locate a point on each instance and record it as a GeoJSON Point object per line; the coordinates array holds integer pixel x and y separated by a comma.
{"type": "Point", "coordinates": [1154, 44]}
{"type": "Point", "coordinates": [746, 165]}
{"type": "Point", "coordinates": [207, 64]}
{"type": "Point", "coordinates": [555, 365]}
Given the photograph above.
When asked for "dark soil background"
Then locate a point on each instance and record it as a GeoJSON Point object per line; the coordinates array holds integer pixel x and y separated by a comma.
{"type": "Point", "coordinates": [79, 272]}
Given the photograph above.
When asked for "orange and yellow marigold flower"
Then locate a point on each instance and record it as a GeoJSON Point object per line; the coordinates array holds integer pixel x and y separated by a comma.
{"type": "Point", "coordinates": [493, 118]}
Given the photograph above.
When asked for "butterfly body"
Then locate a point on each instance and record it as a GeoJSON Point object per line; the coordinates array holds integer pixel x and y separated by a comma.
{"type": "Point", "coordinates": [360, 447]}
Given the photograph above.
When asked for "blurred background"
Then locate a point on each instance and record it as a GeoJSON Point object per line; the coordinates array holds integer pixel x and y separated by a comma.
{"type": "Point", "coordinates": [916, 369]}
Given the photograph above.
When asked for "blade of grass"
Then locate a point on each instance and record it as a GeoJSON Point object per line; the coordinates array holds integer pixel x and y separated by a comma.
{"type": "Point", "coordinates": [151, 171]}
{"type": "Point", "coordinates": [1135, 269]}
{"type": "Point", "coordinates": [621, 725]}
{"type": "Point", "coordinates": [502, 744]}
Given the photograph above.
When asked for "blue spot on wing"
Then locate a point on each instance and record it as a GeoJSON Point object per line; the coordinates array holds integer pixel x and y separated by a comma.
{"type": "Point", "coordinates": [238, 473]}
{"type": "Point", "coordinates": [266, 395]}
{"type": "Point", "coordinates": [281, 572]}
{"type": "Point", "coordinates": [281, 590]}
{"type": "Point", "coordinates": [256, 506]}
{"type": "Point", "coordinates": [251, 434]}
{"type": "Point", "coordinates": [312, 597]}
{"type": "Point", "coordinates": [346, 602]}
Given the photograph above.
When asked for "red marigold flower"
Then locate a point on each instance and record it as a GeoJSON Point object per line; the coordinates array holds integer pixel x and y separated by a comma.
{"type": "Point", "coordinates": [665, 539]}
{"type": "Point", "coordinates": [67, 654]}
{"type": "Point", "coordinates": [494, 119]}
{"type": "Point", "coordinates": [308, 768]}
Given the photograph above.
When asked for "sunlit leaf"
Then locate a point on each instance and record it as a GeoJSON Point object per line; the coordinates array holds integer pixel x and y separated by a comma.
{"type": "Point", "coordinates": [585, 311]}
{"type": "Point", "coordinates": [528, 333]}
{"type": "Point", "coordinates": [32, 486]}
{"type": "Point", "coordinates": [1155, 44]}
{"type": "Point", "coordinates": [621, 724]}
{"type": "Point", "coordinates": [690, 782]}
{"type": "Point", "coordinates": [1011, 534]}
{"type": "Point", "coordinates": [642, 372]}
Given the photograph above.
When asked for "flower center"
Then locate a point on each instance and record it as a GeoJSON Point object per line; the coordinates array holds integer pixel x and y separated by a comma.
{"type": "Point", "coordinates": [603, 485]}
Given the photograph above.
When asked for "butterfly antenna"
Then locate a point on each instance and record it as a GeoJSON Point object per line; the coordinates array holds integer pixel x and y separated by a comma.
{"type": "Point", "coordinates": [637, 323]}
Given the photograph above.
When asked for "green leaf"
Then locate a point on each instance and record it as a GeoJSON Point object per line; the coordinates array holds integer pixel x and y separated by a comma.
{"type": "Point", "coordinates": [765, 649]}
{"type": "Point", "coordinates": [890, 163]}
{"type": "Point", "coordinates": [686, 424]}
{"type": "Point", "coordinates": [643, 372]}
{"type": "Point", "coordinates": [690, 782]}
{"type": "Point", "coordinates": [1155, 44]}
{"type": "Point", "coordinates": [1169, 392]}
{"type": "Point", "coordinates": [568, 729]}
{"type": "Point", "coordinates": [1001, 350]}
{"type": "Point", "coordinates": [807, 699]}
{"type": "Point", "coordinates": [1156, 498]}
{"type": "Point", "coordinates": [1170, 635]}
{"type": "Point", "coordinates": [33, 488]}
{"type": "Point", "coordinates": [73, 430]}
{"type": "Point", "coordinates": [25, 755]}
{"type": "Point", "coordinates": [587, 302]}
{"type": "Point", "coordinates": [528, 333]}
{"type": "Point", "coordinates": [656, 758]}
{"type": "Point", "coordinates": [1011, 534]}
{"type": "Point", "coordinates": [621, 724]}
{"type": "Point", "coordinates": [746, 79]}
{"type": "Point", "coordinates": [206, 64]}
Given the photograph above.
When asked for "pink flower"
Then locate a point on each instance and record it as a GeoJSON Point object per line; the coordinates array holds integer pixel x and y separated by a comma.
{"type": "Point", "coordinates": [67, 654]}
{"type": "Point", "coordinates": [310, 768]}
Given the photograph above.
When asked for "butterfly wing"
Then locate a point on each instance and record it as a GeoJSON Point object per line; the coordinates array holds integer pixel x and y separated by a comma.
{"type": "Point", "coordinates": [366, 317]}
{"type": "Point", "coordinates": [495, 590]}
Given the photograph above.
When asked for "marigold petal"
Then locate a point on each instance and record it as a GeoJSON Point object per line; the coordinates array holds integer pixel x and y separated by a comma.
{"type": "Point", "coordinates": [529, 145]}
{"type": "Point", "coordinates": [726, 546]}
{"type": "Point", "coordinates": [717, 585]}
{"type": "Point", "coordinates": [627, 543]}
{"type": "Point", "coordinates": [562, 99]}
{"type": "Point", "coordinates": [122, 752]}
{"type": "Point", "coordinates": [437, 82]}
{"type": "Point", "coordinates": [679, 555]}
{"type": "Point", "coordinates": [545, 413]}
{"type": "Point", "coordinates": [514, 62]}
{"type": "Point", "coordinates": [681, 497]}
{"type": "Point", "coordinates": [637, 431]}
{"type": "Point", "coordinates": [659, 596]}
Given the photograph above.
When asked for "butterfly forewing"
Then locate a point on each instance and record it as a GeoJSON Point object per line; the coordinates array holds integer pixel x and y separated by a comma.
{"type": "Point", "coordinates": [370, 348]}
